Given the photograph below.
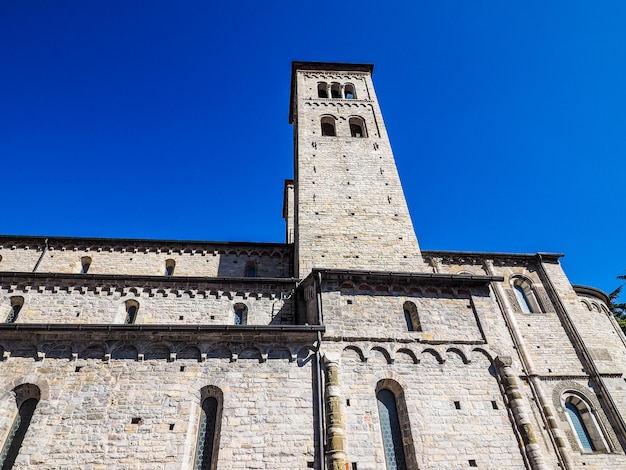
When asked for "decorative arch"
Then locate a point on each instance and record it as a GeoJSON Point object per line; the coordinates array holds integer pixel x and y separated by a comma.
{"type": "Point", "coordinates": [405, 352]}
{"type": "Point", "coordinates": [250, 352]}
{"type": "Point", "coordinates": [432, 352]}
{"type": "Point", "coordinates": [93, 351]}
{"type": "Point", "coordinates": [481, 353]}
{"type": "Point", "coordinates": [457, 352]}
{"type": "Point", "coordinates": [591, 415]}
{"type": "Point", "coordinates": [348, 350]}
{"type": "Point", "coordinates": [385, 354]}
{"type": "Point", "coordinates": [125, 351]}
{"type": "Point", "coordinates": [583, 423]}
{"type": "Point", "coordinates": [188, 352]}
{"type": "Point", "coordinates": [158, 351]}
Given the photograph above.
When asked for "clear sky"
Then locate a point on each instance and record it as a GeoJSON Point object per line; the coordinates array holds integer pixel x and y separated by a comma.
{"type": "Point", "coordinates": [155, 119]}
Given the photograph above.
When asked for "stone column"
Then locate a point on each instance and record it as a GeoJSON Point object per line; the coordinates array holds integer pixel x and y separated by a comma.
{"type": "Point", "coordinates": [520, 413]}
{"type": "Point", "coordinates": [335, 422]}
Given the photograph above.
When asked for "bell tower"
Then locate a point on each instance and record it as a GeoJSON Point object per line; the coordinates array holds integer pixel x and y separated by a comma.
{"type": "Point", "coordinates": [349, 207]}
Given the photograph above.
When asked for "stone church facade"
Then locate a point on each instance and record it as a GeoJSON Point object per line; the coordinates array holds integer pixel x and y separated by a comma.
{"type": "Point", "coordinates": [347, 347]}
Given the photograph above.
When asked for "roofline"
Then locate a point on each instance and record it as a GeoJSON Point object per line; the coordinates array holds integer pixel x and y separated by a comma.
{"type": "Point", "coordinates": [141, 279]}
{"type": "Point", "coordinates": [326, 66]}
{"type": "Point", "coordinates": [599, 294]}
{"type": "Point", "coordinates": [467, 279]}
{"type": "Point", "coordinates": [148, 327]}
{"type": "Point", "coordinates": [134, 241]}
{"type": "Point", "coordinates": [487, 254]}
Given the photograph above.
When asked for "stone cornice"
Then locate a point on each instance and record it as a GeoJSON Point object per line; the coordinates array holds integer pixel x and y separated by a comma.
{"type": "Point", "coordinates": [136, 245]}
{"type": "Point", "coordinates": [126, 279]}
{"type": "Point", "coordinates": [35, 332]}
{"type": "Point", "coordinates": [399, 277]}
{"type": "Point", "coordinates": [478, 256]}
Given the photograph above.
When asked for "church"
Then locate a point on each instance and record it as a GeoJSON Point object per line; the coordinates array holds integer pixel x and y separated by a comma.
{"type": "Point", "coordinates": [346, 347]}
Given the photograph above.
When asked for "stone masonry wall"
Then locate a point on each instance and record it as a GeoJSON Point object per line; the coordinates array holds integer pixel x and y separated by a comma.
{"type": "Point", "coordinates": [351, 210]}
{"type": "Point", "coordinates": [84, 417]}
{"type": "Point", "coordinates": [214, 307]}
{"type": "Point", "coordinates": [454, 404]}
{"type": "Point", "coordinates": [134, 257]}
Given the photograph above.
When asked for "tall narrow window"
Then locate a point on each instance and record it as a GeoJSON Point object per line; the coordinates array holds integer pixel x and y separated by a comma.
{"type": "Point", "coordinates": [322, 90]}
{"type": "Point", "coordinates": [241, 314]}
{"type": "Point", "coordinates": [85, 263]}
{"type": "Point", "coordinates": [328, 126]}
{"type": "Point", "coordinates": [522, 299]}
{"type": "Point", "coordinates": [250, 269]}
{"type": "Point", "coordinates": [579, 428]}
{"type": "Point", "coordinates": [391, 430]}
{"type": "Point", "coordinates": [209, 429]}
{"type": "Point", "coordinates": [349, 92]}
{"type": "Point", "coordinates": [584, 424]}
{"type": "Point", "coordinates": [131, 312]}
{"type": "Point", "coordinates": [335, 90]}
{"type": "Point", "coordinates": [170, 264]}
{"type": "Point", "coordinates": [27, 398]}
{"type": "Point", "coordinates": [16, 306]}
{"type": "Point", "coordinates": [411, 317]}
{"type": "Point", "coordinates": [357, 127]}
{"type": "Point", "coordinates": [525, 295]}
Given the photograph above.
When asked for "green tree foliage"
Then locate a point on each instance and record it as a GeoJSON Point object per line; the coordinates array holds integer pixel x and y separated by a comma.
{"type": "Point", "coordinates": [618, 309]}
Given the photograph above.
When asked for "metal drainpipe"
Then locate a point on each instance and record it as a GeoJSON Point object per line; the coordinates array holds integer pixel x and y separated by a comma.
{"type": "Point", "coordinates": [43, 252]}
{"type": "Point", "coordinates": [319, 368]}
{"type": "Point", "coordinates": [536, 388]}
{"type": "Point", "coordinates": [590, 365]}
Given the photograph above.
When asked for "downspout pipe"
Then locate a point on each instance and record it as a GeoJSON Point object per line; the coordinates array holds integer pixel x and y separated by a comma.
{"type": "Point", "coordinates": [44, 250]}
{"type": "Point", "coordinates": [321, 444]}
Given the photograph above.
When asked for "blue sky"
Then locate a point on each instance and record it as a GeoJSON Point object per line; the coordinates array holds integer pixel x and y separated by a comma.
{"type": "Point", "coordinates": [156, 119]}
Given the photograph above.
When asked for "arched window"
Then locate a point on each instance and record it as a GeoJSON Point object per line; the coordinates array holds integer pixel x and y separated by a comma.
{"type": "Point", "coordinates": [525, 296]}
{"type": "Point", "coordinates": [132, 307]}
{"type": "Point", "coordinates": [26, 397]}
{"type": "Point", "coordinates": [17, 302]}
{"type": "Point", "coordinates": [348, 91]}
{"type": "Point", "coordinates": [241, 314]}
{"type": "Point", "coordinates": [170, 264]}
{"type": "Point", "coordinates": [209, 429]}
{"type": "Point", "coordinates": [335, 90]}
{"type": "Point", "coordinates": [322, 90]}
{"type": "Point", "coordinates": [584, 424]}
{"type": "Point", "coordinates": [357, 127]}
{"type": "Point", "coordinates": [85, 263]}
{"type": "Point", "coordinates": [394, 426]}
{"type": "Point", "coordinates": [328, 126]}
{"type": "Point", "coordinates": [250, 269]}
{"type": "Point", "coordinates": [411, 317]}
